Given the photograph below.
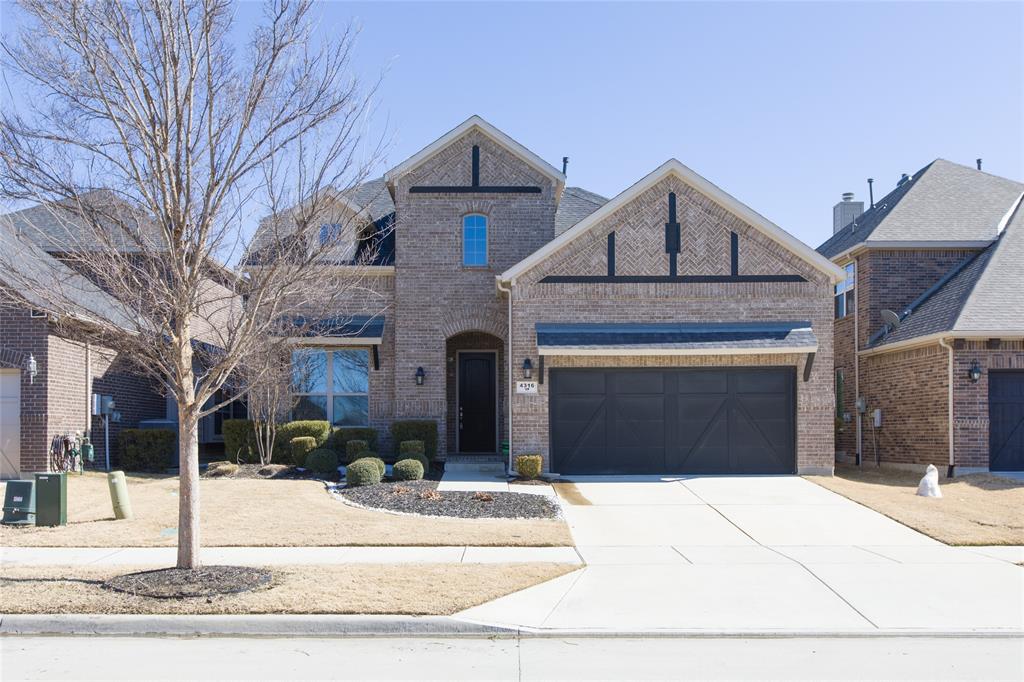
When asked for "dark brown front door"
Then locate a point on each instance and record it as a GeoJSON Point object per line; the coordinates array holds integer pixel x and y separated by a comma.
{"type": "Point", "coordinates": [477, 403]}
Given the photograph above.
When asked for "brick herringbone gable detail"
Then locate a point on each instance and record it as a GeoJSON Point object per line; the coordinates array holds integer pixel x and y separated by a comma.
{"type": "Point", "coordinates": [453, 165]}
{"type": "Point", "coordinates": [705, 249]}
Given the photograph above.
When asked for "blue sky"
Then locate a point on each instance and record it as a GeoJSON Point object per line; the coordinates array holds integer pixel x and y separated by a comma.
{"type": "Point", "coordinates": [784, 105]}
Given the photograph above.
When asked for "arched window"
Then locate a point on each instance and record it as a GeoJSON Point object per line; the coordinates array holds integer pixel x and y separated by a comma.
{"type": "Point", "coordinates": [474, 240]}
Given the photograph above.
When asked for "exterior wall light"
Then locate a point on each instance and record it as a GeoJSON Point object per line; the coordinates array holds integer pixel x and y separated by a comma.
{"type": "Point", "coordinates": [32, 368]}
{"type": "Point", "coordinates": [420, 376]}
{"type": "Point", "coordinates": [974, 372]}
{"type": "Point", "coordinates": [527, 369]}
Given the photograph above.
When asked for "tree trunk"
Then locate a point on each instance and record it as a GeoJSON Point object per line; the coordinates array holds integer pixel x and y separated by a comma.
{"type": "Point", "coordinates": [188, 488]}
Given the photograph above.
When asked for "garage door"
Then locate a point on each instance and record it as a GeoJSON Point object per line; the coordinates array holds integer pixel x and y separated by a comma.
{"type": "Point", "coordinates": [686, 421]}
{"type": "Point", "coordinates": [10, 423]}
{"type": "Point", "coordinates": [1006, 421]}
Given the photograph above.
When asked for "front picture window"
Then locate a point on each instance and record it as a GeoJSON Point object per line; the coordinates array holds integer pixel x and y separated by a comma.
{"type": "Point", "coordinates": [344, 400]}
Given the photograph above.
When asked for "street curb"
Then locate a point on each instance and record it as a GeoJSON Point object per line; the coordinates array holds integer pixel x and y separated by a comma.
{"type": "Point", "coordinates": [401, 626]}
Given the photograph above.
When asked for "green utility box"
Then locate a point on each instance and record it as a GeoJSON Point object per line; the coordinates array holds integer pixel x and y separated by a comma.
{"type": "Point", "coordinates": [20, 502]}
{"type": "Point", "coordinates": [52, 499]}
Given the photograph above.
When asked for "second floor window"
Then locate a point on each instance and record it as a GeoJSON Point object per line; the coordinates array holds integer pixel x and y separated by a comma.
{"type": "Point", "coordinates": [474, 240]}
{"type": "Point", "coordinates": [844, 292]}
{"type": "Point", "coordinates": [329, 232]}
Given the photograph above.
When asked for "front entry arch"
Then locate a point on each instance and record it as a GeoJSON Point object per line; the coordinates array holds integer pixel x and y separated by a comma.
{"type": "Point", "coordinates": [474, 393]}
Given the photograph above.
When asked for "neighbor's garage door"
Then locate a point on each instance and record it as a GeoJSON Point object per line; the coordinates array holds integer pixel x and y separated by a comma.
{"type": "Point", "coordinates": [1006, 421]}
{"type": "Point", "coordinates": [654, 421]}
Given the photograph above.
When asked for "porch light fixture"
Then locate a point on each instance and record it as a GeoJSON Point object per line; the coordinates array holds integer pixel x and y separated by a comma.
{"type": "Point", "coordinates": [420, 376]}
{"type": "Point", "coordinates": [974, 372]}
{"type": "Point", "coordinates": [527, 369]}
{"type": "Point", "coordinates": [32, 368]}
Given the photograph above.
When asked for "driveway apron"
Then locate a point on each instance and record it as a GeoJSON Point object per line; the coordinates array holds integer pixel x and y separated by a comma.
{"type": "Point", "coordinates": [763, 554]}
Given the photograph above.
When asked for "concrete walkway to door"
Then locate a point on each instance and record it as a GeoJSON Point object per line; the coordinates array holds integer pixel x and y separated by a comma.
{"type": "Point", "coordinates": [755, 554]}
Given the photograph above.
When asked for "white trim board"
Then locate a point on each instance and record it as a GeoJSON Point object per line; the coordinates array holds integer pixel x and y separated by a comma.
{"type": "Point", "coordinates": [702, 185]}
{"type": "Point", "coordinates": [476, 122]}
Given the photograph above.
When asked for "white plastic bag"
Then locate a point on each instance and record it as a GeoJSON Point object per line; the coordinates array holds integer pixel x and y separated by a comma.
{"type": "Point", "coordinates": [929, 486]}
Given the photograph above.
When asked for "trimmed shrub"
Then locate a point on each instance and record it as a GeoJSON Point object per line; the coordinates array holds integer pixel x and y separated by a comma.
{"type": "Point", "coordinates": [422, 459]}
{"type": "Point", "coordinates": [407, 470]}
{"type": "Point", "coordinates": [362, 472]}
{"type": "Point", "coordinates": [285, 432]}
{"type": "Point", "coordinates": [300, 447]}
{"type": "Point", "coordinates": [378, 462]}
{"type": "Point", "coordinates": [529, 466]}
{"type": "Point", "coordinates": [354, 449]}
{"type": "Point", "coordinates": [412, 447]}
{"type": "Point", "coordinates": [417, 429]}
{"type": "Point", "coordinates": [239, 440]}
{"type": "Point", "coordinates": [339, 437]}
{"type": "Point", "coordinates": [146, 449]}
{"type": "Point", "coordinates": [322, 461]}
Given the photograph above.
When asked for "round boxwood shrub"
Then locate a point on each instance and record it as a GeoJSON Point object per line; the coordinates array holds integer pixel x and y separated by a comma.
{"type": "Point", "coordinates": [407, 470]}
{"type": "Point", "coordinates": [362, 472]}
{"type": "Point", "coordinates": [301, 446]}
{"type": "Point", "coordinates": [356, 449]}
{"type": "Point", "coordinates": [372, 456]}
{"type": "Point", "coordinates": [422, 459]}
{"type": "Point", "coordinates": [411, 447]}
{"type": "Point", "coordinates": [322, 461]}
{"type": "Point", "coordinates": [529, 466]}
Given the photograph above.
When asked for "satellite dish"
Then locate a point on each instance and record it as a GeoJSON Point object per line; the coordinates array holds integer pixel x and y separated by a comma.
{"type": "Point", "coordinates": [891, 319]}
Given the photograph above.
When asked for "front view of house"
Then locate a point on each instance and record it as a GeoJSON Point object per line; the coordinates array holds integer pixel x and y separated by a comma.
{"type": "Point", "coordinates": [670, 329]}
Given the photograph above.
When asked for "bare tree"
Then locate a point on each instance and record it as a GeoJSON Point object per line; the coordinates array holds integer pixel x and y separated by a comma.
{"type": "Point", "coordinates": [267, 380]}
{"type": "Point", "coordinates": [151, 139]}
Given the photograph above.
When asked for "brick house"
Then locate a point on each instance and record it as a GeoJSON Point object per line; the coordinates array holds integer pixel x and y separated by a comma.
{"type": "Point", "coordinates": [69, 370]}
{"type": "Point", "coordinates": [944, 366]}
{"type": "Point", "coordinates": [669, 329]}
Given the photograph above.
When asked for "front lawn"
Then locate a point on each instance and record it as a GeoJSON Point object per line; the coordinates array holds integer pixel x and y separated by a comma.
{"type": "Point", "coordinates": [407, 589]}
{"type": "Point", "coordinates": [270, 513]}
{"type": "Point", "coordinates": [978, 509]}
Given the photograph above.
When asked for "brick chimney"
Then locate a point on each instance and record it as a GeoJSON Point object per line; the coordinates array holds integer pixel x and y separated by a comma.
{"type": "Point", "coordinates": [845, 211]}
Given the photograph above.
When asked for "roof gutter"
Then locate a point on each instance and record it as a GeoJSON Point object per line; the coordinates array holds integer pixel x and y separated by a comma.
{"type": "Point", "coordinates": [915, 245]}
{"type": "Point", "coordinates": [928, 339]}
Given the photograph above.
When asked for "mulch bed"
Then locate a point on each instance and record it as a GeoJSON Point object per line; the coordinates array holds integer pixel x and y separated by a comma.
{"type": "Point", "coordinates": [271, 471]}
{"type": "Point", "coordinates": [422, 497]}
{"type": "Point", "coordinates": [181, 583]}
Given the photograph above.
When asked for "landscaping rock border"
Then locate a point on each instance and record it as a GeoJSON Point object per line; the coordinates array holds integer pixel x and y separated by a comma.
{"type": "Point", "coordinates": [424, 499]}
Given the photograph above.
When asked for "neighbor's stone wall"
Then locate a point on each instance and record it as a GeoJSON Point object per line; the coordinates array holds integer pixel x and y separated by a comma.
{"type": "Point", "coordinates": [436, 296]}
{"type": "Point", "coordinates": [707, 225]}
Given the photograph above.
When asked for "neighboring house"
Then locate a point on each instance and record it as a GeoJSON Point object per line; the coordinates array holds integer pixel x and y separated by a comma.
{"type": "Point", "coordinates": [58, 400]}
{"type": "Point", "coordinates": [669, 330]}
{"type": "Point", "coordinates": [943, 253]}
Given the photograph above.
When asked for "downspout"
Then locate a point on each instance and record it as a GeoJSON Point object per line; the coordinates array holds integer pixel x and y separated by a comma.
{"type": "Point", "coordinates": [88, 391]}
{"type": "Point", "coordinates": [856, 355]}
{"type": "Point", "coordinates": [508, 358]}
{"type": "Point", "coordinates": [944, 344]}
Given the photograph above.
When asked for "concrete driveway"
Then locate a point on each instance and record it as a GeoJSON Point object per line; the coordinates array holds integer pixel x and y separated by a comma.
{"type": "Point", "coordinates": [756, 554]}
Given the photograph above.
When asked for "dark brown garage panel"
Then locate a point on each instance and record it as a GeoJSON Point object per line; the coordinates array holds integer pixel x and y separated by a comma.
{"type": "Point", "coordinates": [673, 421]}
{"type": "Point", "coordinates": [1006, 420]}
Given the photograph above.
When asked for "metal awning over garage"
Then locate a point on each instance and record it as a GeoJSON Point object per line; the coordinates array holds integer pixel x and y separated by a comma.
{"type": "Point", "coordinates": [714, 338]}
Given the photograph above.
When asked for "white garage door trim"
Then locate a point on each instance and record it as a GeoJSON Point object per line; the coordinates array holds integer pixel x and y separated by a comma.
{"type": "Point", "coordinates": [10, 423]}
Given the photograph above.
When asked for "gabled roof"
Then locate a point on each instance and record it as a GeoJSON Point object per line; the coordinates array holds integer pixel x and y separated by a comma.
{"type": "Point", "coordinates": [982, 296]}
{"type": "Point", "coordinates": [576, 204]}
{"type": "Point", "coordinates": [708, 189]}
{"type": "Point", "coordinates": [944, 203]}
{"type": "Point", "coordinates": [471, 123]}
{"type": "Point", "coordinates": [25, 262]}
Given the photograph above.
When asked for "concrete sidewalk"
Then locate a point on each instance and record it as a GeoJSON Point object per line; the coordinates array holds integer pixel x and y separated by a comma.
{"type": "Point", "coordinates": [277, 556]}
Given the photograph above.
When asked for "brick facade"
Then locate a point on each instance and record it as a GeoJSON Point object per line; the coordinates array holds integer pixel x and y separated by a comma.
{"type": "Point", "coordinates": [705, 229]}
{"type": "Point", "coordinates": [437, 297]}
{"type": "Point", "coordinates": [58, 400]}
{"type": "Point", "coordinates": [911, 386]}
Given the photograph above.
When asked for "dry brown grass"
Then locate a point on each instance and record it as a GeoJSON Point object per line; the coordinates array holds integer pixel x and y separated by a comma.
{"type": "Point", "coordinates": [408, 589]}
{"type": "Point", "coordinates": [262, 513]}
{"type": "Point", "coordinates": [979, 509]}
